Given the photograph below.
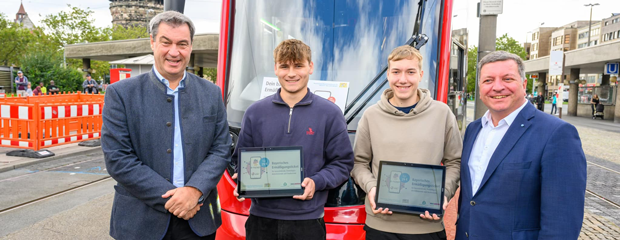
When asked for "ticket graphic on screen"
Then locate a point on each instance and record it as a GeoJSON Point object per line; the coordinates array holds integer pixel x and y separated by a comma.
{"type": "Point", "coordinates": [270, 170]}
{"type": "Point", "coordinates": [417, 187]}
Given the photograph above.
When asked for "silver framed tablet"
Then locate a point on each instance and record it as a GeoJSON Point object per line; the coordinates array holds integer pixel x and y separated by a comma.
{"type": "Point", "coordinates": [270, 172]}
{"type": "Point", "coordinates": [411, 188]}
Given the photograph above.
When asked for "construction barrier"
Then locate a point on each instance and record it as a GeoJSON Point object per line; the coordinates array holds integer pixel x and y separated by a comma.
{"type": "Point", "coordinates": [49, 120]}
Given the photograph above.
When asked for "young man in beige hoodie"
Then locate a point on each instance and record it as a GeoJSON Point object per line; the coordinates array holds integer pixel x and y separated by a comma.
{"type": "Point", "coordinates": [406, 125]}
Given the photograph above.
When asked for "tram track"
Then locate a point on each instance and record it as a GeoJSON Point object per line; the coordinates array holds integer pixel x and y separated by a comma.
{"type": "Point", "coordinates": [599, 196]}
{"type": "Point", "coordinates": [48, 169]}
{"type": "Point", "coordinates": [40, 199]}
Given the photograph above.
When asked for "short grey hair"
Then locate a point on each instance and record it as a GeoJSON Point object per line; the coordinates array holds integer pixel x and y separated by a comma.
{"type": "Point", "coordinates": [498, 56]}
{"type": "Point", "coordinates": [172, 18]}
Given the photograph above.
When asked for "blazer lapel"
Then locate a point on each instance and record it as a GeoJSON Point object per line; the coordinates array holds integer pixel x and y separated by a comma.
{"type": "Point", "coordinates": [521, 123]}
{"type": "Point", "coordinates": [476, 126]}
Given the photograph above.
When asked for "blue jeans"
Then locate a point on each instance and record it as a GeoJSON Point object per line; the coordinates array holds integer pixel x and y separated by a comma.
{"type": "Point", "coordinates": [554, 107]}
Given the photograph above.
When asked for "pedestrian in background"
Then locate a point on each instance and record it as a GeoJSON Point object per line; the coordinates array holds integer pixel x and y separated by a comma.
{"type": "Point", "coordinates": [553, 102]}
{"type": "Point", "coordinates": [595, 101]}
{"type": "Point", "coordinates": [43, 89]}
{"type": "Point", "coordinates": [22, 83]}
{"type": "Point", "coordinates": [165, 141]}
{"type": "Point", "coordinates": [52, 88]}
{"type": "Point", "coordinates": [37, 91]}
{"type": "Point", "coordinates": [540, 101]}
{"type": "Point", "coordinates": [29, 92]}
{"type": "Point", "coordinates": [89, 85]}
{"type": "Point", "coordinates": [523, 172]}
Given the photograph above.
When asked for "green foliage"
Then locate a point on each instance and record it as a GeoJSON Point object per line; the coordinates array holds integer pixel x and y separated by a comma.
{"type": "Point", "coordinates": [118, 32]}
{"type": "Point", "coordinates": [43, 66]}
{"type": "Point", "coordinates": [503, 43]}
{"type": "Point", "coordinates": [472, 60]}
{"type": "Point", "coordinates": [210, 73]}
{"type": "Point", "coordinates": [72, 27]}
{"type": "Point", "coordinates": [14, 39]}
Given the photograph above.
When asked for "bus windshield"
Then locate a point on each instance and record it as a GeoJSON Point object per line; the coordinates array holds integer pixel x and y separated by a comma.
{"type": "Point", "coordinates": [350, 42]}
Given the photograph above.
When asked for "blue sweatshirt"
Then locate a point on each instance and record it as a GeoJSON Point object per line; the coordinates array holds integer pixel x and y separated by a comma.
{"type": "Point", "coordinates": [319, 127]}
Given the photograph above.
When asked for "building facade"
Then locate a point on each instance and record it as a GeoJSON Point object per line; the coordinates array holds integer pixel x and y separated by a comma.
{"type": "Point", "coordinates": [610, 28]}
{"type": "Point", "coordinates": [564, 38]}
{"type": "Point", "coordinates": [539, 38]}
{"type": "Point", "coordinates": [594, 34]}
{"type": "Point", "coordinates": [134, 12]}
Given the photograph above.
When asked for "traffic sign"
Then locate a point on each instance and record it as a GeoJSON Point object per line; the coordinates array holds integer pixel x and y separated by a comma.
{"type": "Point", "coordinates": [534, 76]}
{"type": "Point", "coordinates": [491, 7]}
{"type": "Point", "coordinates": [611, 68]}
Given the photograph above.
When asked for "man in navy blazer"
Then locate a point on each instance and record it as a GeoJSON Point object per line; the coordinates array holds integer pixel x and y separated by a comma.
{"type": "Point", "coordinates": [165, 141]}
{"type": "Point", "coordinates": [523, 172]}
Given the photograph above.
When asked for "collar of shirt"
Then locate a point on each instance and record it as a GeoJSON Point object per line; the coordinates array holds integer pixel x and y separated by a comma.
{"type": "Point", "coordinates": [167, 83]}
{"type": "Point", "coordinates": [486, 119]}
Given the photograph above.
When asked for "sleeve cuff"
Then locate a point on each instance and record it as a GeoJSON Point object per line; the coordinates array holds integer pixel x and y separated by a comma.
{"type": "Point", "coordinates": [319, 183]}
{"type": "Point", "coordinates": [370, 185]}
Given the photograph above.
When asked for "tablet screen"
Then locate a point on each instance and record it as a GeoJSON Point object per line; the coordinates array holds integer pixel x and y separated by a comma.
{"type": "Point", "coordinates": [270, 169]}
{"type": "Point", "coordinates": [419, 187]}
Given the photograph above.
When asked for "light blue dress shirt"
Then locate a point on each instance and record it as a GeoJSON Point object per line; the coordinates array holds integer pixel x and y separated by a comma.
{"type": "Point", "coordinates": [486, 142]}
{"type": "Point", "coordinates": [178, 174]}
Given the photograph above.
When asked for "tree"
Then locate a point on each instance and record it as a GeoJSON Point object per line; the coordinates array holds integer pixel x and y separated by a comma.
{"type": "Point", "coordinates": [210, 73]}
{"type": "Point", "coordinates": [118, 32]}
{"type": "Point", "coordinates": [43, 66]}
{"type": "Point", "coordinates": [503, 43]}
{"type": "Point", "coordinates": [14, 39]}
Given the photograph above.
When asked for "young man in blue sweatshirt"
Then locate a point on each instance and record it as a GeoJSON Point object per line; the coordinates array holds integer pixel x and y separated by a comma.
{"type": "Point", "coordinates": [296, 117]}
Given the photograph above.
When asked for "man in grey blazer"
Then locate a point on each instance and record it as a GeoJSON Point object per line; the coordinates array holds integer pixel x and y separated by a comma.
{"type": "Point", "coordinates": [165, 140]}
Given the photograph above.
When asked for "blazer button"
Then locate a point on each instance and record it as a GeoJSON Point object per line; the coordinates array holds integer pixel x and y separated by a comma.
{"type": "Point", "coordinates": [168, 124]}
{"type": "Point", "coordinates": [169, 99]}
{"type": "Point", "coordinates": [473, 203]}
{"type": "Point", "coordinates": [169, 150]}
{"type": "Point", "coordinates": [466, 235]}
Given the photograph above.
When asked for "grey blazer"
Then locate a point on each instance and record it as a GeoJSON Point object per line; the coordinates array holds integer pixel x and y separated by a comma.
{"type": "Point", "coordinates": [137, 139]}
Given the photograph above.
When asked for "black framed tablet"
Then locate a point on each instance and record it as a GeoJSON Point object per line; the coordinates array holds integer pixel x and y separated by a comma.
{"type": "Point", "coordinates": [411, 188]}
{"type": "Point", "coordinates": [270, 172]}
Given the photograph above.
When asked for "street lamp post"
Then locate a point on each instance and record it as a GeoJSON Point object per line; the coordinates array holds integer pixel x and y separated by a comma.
{"type": "Point", "coordinates": [590, 23]}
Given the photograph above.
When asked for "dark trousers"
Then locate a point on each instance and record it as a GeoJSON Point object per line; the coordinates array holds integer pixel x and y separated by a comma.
{"type": "Point", "coordinates": [554, 107]}
{"type": "Point", "coordinates": [260, 228]}
{"type": "Point", "coordinates": [179, 229]}
{"type": "Point", "coordinates": [593, 109]}
{"type": "Point", "coordinates": [374, 234]}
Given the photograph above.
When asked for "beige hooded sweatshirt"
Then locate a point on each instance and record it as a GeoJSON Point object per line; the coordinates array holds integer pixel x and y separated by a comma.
{"type": "Point", "coordinates": [428, 134]}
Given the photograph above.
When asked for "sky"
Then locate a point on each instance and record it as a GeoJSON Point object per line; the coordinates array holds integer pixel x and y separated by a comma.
{"type": "Point", "coordinates": [518, 18]}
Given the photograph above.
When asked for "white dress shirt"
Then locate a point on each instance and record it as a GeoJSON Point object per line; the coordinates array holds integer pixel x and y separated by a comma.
{"type": "Point", "coordinates": [486, 142]}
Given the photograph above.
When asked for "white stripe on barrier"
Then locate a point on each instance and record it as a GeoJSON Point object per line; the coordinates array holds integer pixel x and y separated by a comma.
{"type": "Point", "coordinates": [61, 140]}
{"type": "Point", "coordinates": [85, 136]}
{"type": "Point", "coordinates": [47, 143]}
{"type": "Point", "coordinates": [23, 113]}
{"type": "Point", "coordinates": [6, 142]}
{"type": "Point", "coordinates": [96, 109]}
{"type": "Point", "coordinates": [61, 111]}
{"type": "Point", "coordinates": [73, 111]}
{"type": "Point", "coordinates": [23, 144]}
{"type": "Point", "coordinates": [5, 111]}
{"type": "Point", "coordinates": [47, 113]}
{"type": "Point", "coordinates": [96, 135]}
{"type": "Point", "coordinates": [84, 110]}
{"type": "Point", "coordinates": [73, 139]}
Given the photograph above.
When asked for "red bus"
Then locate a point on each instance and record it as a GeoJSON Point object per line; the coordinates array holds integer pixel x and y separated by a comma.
{"type": "Point", "coordinates": [350, 42]}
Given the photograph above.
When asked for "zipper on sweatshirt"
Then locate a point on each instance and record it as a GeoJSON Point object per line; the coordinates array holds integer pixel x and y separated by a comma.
{"type": "Point", "coordinates": [290, 115]}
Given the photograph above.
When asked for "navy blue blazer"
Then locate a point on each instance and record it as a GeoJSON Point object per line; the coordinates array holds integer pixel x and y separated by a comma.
{"type": "Point", "coordinates": [137, 139]}
{"type": "Point", "coordinates": [533, 187]}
